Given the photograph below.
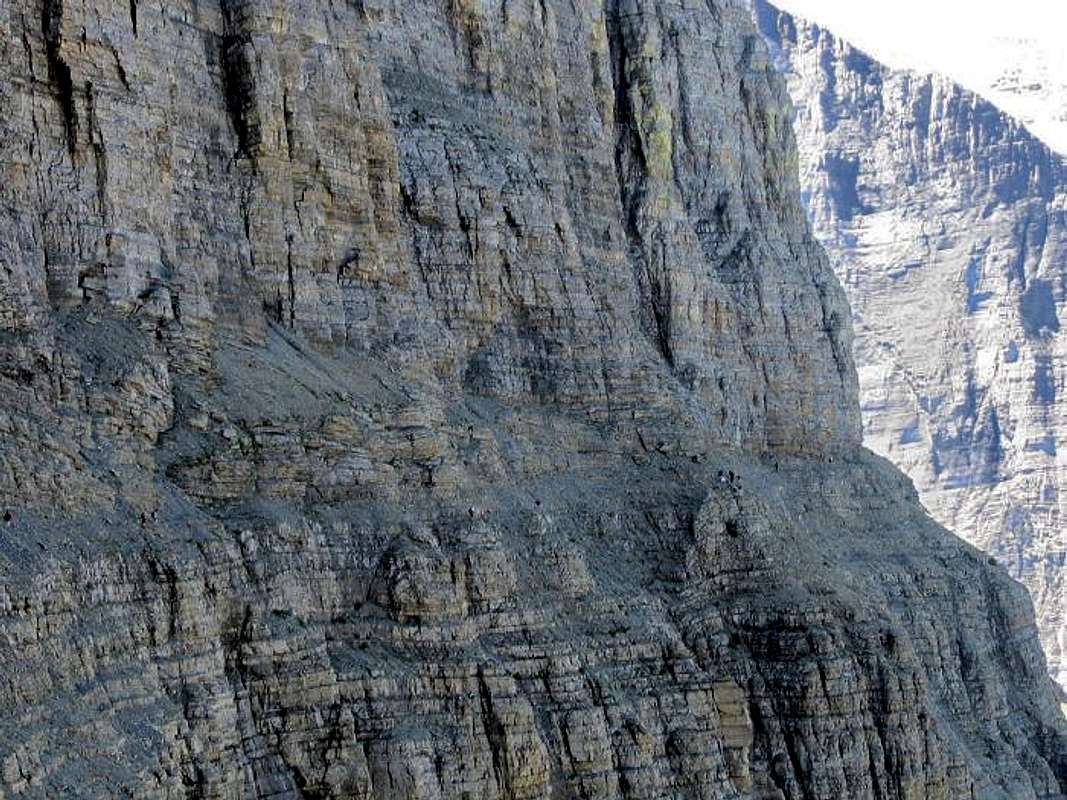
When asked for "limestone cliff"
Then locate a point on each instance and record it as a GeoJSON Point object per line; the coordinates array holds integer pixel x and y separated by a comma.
{"type": "Point", "coordinates": [947, 222]}
{"type": "Point", "coordinates": [448, 399]}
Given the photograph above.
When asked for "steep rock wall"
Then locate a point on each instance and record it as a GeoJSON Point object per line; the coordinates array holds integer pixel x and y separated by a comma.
{"type": "Point", "coordinates": [948, 223]}
{"type": "Point", "coordinates": [449, 400]}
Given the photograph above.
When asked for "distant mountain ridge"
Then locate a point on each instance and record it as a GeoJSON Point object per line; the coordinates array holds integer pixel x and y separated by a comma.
{"type": "Point", "coordinates": [1009, 56]}
{"type": "Point", "coordinates": [945, 220]}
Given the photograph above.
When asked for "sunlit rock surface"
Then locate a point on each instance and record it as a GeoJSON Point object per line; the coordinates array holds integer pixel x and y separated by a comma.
{"type": "Point", "coordinates": [449, 400]}
{"type": "Point", "coordinates": [947, 223]}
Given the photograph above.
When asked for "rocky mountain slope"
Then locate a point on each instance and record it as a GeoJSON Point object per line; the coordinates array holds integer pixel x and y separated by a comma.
{"type": "Point", "coordinates": [449, 400]}
{"type": "Point", "coordinates": [1012, 54]}
{"type": "Point", "coordinates": [947, 222]}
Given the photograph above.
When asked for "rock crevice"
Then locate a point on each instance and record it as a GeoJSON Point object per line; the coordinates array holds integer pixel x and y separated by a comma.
{"type": "Point", "coordinates": [506, 443]}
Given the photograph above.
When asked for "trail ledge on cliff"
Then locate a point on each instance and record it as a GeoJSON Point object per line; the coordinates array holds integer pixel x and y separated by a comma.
{"type": "Point", "coordinates": [449, 400]}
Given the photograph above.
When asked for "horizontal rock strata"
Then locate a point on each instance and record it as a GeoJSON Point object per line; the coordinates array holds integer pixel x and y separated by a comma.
{"type": "Point", "coordinates": [449, 400]}
{"type": "Point", "coordinates": [948, 223]}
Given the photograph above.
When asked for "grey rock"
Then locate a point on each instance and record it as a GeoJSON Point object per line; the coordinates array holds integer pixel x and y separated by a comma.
{"type": "Point", "coordinates": [948, 223]}
{"type": "Point", "coordinates": [291, 288]}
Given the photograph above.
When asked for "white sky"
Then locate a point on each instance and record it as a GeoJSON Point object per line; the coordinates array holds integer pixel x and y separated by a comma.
{"type": "Point", "coordinates": [936, 30]}
{"type": "Point", "coordinates": [967, 41]}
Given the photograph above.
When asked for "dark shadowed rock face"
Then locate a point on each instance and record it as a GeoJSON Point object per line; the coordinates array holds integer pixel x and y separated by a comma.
{"type": "Point", "coordinates": [448, 400]}
{"type": "Point", "coordinates": [948, 225]}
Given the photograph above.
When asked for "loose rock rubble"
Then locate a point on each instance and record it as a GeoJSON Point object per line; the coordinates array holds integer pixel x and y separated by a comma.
{"type": "Point", "coordinates": [368, 371]}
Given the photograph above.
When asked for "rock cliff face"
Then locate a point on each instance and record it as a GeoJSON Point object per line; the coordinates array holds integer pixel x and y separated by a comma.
{"type": "Point", "coordinates": [948, 223]}
{"type": "Point", "coordinates": [1028, 79]}
{"type": "Point", "coordinates": [448, 399]}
